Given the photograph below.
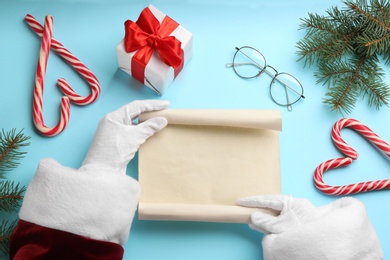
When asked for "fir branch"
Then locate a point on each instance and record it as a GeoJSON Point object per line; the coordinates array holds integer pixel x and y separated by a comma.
{"type": "Point", "coordinates": [364, 78]}
{"type": "Point", "coordinates": [383, 8]}
{"type": "Point", "coordinates": [6, 229]}
{"type": "Point", "coordinates": [316, 23]}
{"type": "Point", "coordinates": [346, 93]}
{"type": "Point", "coordinates": [330, 73]}
{"type": "Point", "coordinates": [365, 12]}
{"type": "Point", "coordinates": [318, 48]}
{"type": "Point", "coordinates": [374, 88]}
{"type": "Point", "coordinates": [310, 49]}
{"type": "Point", "coordinates": [345, 46]}
{"type": "Point", "coordinates": [368, 41]}
{"type": "Point", "coordinates": [345, 23]}
{"type": "Point", "coordinates": [386, 56]}
{"type": "Point", "coordinates": [376, 31]}
{"type": "Point", "coordinates": [326, 37]}
{"type": "Point", "coordinates": [10, 144]}
{"type": "Point", "coordinates": [342, 96]}
{"type": "Point", "coordinates": [11, 196]}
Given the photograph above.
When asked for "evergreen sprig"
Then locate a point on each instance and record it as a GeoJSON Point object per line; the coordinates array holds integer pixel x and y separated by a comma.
{"type": "Point", "coordinates": [10, 144]}
{"type": "Point", "coordinates": [11, 194]}
{"type": "Point", "coordinates": [346, 46]}
{"type": "Point", "coordinates": [6, 228]}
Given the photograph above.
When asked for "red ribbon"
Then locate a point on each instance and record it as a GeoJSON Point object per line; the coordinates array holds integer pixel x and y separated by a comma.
{"type": "Point", "coordinates": [147, 35]}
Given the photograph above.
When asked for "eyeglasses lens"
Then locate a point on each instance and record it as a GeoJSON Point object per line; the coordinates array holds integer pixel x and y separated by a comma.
{"type": "Point", "coordinates": [285, 89]}
{"type": "Point", "coordinates": [248, 62]}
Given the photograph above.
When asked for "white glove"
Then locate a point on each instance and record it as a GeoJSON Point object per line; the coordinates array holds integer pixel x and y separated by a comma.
{"type": "Point", "coordinates": [98, 200]}
{"type": "Point", "coordinates": [117, 140]}
{"type": "Point", "coordinates": [339, 230]}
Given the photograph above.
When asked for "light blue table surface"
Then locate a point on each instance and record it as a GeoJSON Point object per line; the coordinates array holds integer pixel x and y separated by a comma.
{"type": "Point", "coordinates": [92, 29]}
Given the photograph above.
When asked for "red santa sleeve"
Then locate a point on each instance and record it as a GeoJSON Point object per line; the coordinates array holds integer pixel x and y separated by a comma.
{"type": "Point", "coordinates": [74, 214]}
{"type": "Point", "coordinates": [31, 241]}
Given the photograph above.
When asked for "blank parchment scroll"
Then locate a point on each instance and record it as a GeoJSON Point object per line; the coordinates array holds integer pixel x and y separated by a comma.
{"type": "Point", "coordinates": [198, 166]}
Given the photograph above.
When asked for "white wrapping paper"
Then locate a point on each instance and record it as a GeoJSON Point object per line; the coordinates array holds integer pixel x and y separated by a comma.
{"type": "Point", "coordinates": [159, 74]}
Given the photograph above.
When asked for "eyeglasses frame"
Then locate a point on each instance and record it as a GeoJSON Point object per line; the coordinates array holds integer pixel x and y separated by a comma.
{"type": "Point", "coordinates": [274, 76]}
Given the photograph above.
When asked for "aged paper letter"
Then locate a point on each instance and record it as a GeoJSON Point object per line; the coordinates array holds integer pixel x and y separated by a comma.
{"type": "Point", "coordinates": [205, 160]}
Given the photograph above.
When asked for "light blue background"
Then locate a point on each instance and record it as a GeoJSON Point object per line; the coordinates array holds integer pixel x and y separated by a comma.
{"type": "Point", "coordinates": [92, 29]}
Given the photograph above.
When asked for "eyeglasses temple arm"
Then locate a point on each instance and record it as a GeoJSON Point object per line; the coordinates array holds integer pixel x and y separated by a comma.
{"type": "Point", "coordinates": [231, 65]}
{"type": "Point", "coordinates": [289, 107]}
{"type": "Point", "coordinates": [254, 62]}
{"type": "Point", "coordinates": [284, 84]}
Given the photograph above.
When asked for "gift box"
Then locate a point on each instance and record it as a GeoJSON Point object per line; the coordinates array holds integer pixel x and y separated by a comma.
{"type": "Point", "coordinates": [155, 49]}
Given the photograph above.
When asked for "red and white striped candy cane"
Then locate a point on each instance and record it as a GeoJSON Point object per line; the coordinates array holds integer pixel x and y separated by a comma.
{"type": "Point", "coordinates": [75, 63]}
{"type": "Point", "coordinates": [39, 86]}
{"type": "Point", "coordinates": [352, 155]}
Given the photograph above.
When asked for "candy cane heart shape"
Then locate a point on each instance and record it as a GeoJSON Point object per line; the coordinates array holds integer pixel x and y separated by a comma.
{"type": "Point", "coordinates": [39, 87]}
{"type": "Point", "coordinates": [351, 155]}
{"type": "Point", "coordinates": [72, 60]}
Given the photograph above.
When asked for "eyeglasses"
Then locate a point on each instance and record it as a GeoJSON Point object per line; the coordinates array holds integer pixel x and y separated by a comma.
{"type": "Point", "coordinates": [285, 89]}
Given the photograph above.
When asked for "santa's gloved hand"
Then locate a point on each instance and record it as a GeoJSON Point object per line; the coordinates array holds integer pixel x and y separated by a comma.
{"type": "Point", "coordinates": [117, 139]}
{"type": "Point", "coordinates": [87, 213]}
{"type": "Point", "coordinates": [339, 230]}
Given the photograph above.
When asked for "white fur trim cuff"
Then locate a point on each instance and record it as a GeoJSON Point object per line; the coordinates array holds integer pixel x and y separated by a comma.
{"type": "Point", "coordinates": [95, 203]}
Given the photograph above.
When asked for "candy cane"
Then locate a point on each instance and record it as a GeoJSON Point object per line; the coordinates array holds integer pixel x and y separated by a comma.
{"type": "Point", "coordinates": [352, 155]}
{"type": "Point", "coordinates": [39, 86]}
{"type": "Point", "coordinates": [75, 63]}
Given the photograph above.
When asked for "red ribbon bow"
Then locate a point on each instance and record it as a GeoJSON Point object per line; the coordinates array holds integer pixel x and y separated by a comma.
{"type": "Point", "coordinates": [147, 35]}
